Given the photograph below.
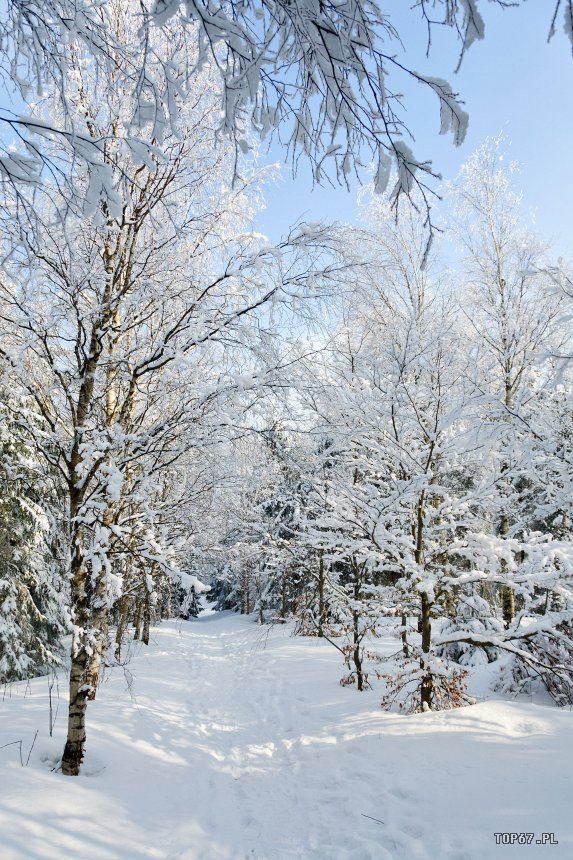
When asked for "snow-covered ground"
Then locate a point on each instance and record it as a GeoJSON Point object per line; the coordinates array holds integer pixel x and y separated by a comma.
{"type": "Point", "coordinates": [224, 741]}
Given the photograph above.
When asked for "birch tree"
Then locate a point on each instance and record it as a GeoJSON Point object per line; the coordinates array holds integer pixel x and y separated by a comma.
{"type": "Point", "coordinates": [113, 321]}
{"type": "Point", "coordinates": [512, 315]}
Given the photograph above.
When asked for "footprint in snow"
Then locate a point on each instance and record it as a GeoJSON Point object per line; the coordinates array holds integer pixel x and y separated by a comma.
{"type": "Point", "coordinates": [401, 793]}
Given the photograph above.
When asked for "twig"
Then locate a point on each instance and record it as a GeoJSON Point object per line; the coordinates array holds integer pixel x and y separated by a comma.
{"type": "Point", "coordinates": [14, 743]}
{"type": "Point", "coordinates": [377, 820]}
{"type": "Point", "coordinates": [53, 679]}
{"type": "Point", "coordinates": [19, 745]}
{"type": "Point", "coordinates": [32, 747]}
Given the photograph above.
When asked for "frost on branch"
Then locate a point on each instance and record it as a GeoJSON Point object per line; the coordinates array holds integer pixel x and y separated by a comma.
{"type": "Point", "coordinates": [321, 75]}
{"type": "Point", "coordinates": [453, 119]}
{"type": "Point", "coordinates": [567, 6]}
{"type": "Point", "coordinates": [323, 72]}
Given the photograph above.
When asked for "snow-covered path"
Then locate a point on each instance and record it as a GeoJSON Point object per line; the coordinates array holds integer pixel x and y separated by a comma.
{"type": "Point", "coordinates": [234, 741]}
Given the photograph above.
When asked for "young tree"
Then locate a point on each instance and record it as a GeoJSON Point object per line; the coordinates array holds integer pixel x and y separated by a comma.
{"type": "Point", "coordinates": [512, 315]}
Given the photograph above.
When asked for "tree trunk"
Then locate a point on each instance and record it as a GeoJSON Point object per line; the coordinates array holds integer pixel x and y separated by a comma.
{"type": "Point", "coordinates": [100, 614]}
{"type": "Point", "coordinates": [137, 619]}
{"type": "Point", "coordinates": [100, 633]}
{"type": "Point", "coordinates": [507, 596]}
{"type": "Point", "coordinates": [424, 621]}
{"type": "Point", "coordinates": [426, 686]}
{"type": "Point", "coordinates": [507, 604]}
{"type": "Point", "coordinates": [121, 624]}
{"type": "Point", "coordinates": [79, 689]}
{"type": "Point", "coordinates": [356, 653]}
{"type": "Point", "coordinates": [284, 594]}
{"type": "Point", "coordinates": [321, 604]}
{"type": "Point", "coordinates": [356, 656]}
{"type": "Point", "coordinates": [146, 619]}
{"type": "Point", "coordinates": [404, 637]}
{"type": "Point", "coordinates": [245, 598]}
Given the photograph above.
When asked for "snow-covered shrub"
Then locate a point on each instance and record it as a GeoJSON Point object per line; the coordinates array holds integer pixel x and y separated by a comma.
{"type": "Point", "coordinates": [473, 616]}
{"type": "Point", "coordinates": [551, 665]}
{"type": "Point", "coordinates": [405, 678]}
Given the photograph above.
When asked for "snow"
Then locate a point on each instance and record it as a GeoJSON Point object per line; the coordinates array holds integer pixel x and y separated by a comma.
{"type": "Point", "coordinates": [227, 740]}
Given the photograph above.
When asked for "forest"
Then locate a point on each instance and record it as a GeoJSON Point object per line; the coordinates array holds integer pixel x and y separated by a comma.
{"type": "Point", "coordinates": [361, 434]}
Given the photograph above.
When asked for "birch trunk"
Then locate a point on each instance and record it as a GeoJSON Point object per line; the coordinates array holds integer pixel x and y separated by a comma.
{"type": "Point", "coordinates": [100, 634]}
{"type": "Point", "coordinates": [121, 624]}
{"type": "Point", "coordinates": [79, 688]}
{"type": "Point", "coordinates": [137, 619]}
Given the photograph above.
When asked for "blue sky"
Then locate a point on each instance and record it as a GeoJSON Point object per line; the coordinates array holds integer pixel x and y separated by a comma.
{"type": "Point", "coordinates": [512, 82]}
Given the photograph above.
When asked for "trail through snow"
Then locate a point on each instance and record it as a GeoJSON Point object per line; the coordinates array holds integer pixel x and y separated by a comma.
{"type": "Point", "coordinates": [224, 740]}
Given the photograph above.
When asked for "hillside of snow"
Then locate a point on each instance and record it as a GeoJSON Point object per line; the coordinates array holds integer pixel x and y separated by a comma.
{"type": "Point", "coordinates": [224, 740]}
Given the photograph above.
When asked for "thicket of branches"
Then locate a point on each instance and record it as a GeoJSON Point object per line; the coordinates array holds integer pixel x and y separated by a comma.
{"type": "Point", "coordinates": [416, 471]}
